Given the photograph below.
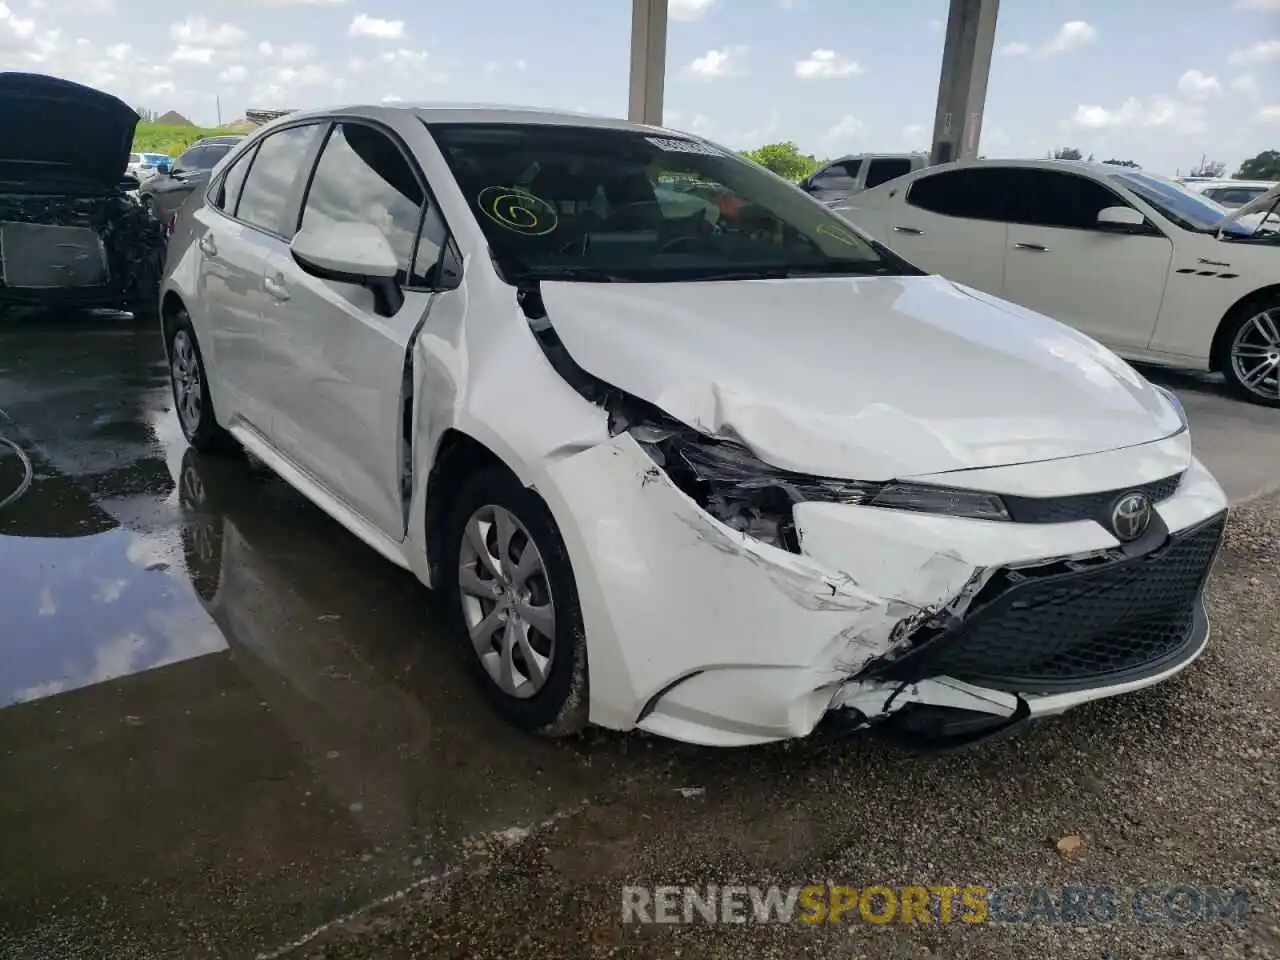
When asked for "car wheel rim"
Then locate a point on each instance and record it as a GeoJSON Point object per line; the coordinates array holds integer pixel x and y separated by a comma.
{"type": "Point", "coordinates": [507, 602]}
{"type": "Point", "coordinates": [187, 392]}
{"type": "Point", "coordinates": [1255, 355]}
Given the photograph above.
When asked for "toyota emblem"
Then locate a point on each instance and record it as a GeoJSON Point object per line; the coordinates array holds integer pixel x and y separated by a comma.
{"type": "Point", "coordinates": [1131, 516]}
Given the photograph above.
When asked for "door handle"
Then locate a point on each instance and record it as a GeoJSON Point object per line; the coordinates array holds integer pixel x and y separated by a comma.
{"type": "Point", "coordinates": [1033, 247]}
{"type": "Point", "coordinates": [275, 286]}
{"type": "Point", "coordinates": [208, 246]}
{"type": "Point", "coordinates": [909, 230]}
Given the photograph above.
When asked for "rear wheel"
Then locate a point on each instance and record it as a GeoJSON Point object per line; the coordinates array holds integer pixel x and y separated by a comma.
{"type": "Point", "coordinates": [1251, 343]}
{"type": "Point", "coordinates": [191, 397]}
{"type": "Point", "coordinates": [511, 592]}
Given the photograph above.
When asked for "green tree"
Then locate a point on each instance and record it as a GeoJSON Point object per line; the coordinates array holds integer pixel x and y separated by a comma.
{"type": "Point", "coordinates": [1209, 168]}
{"type": "Point", "coordinates": [784, 159]}
{"type": "Point", "coordinates": [1066, 153]}
{"type": "Point", "coordinates": [1123, 163]}
{"type": "Point", "coordinates": [1265, 166]}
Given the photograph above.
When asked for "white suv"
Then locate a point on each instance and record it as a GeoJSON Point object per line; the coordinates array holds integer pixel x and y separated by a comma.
{"type": "Point", "coordinates": [716, 470]}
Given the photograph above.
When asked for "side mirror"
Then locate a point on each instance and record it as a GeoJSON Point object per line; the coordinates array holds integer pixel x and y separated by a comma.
{"type": "Point", "coordinates": [1121, 220]}
{"type": "Point", "coordinates": [357, 253]}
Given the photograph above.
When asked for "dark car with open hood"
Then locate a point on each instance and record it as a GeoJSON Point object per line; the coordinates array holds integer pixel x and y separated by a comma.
{"type": "Point", "coordinates": [72, 231]}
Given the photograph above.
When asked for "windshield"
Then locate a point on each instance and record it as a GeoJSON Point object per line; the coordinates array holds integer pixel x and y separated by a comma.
{"type": "Point", "coordinates": [1186, 208]}
{"type": "Point", "coordinates": [596, 204]}
{"type": "Point", "coordinates": [154, 158]}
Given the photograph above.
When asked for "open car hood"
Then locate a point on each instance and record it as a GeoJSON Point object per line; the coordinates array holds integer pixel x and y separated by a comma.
{"type": "Point", "coordinates": [1258, 204]}
{"type": "Point", "coordinates": [861, 378]}
{"type": "Point", "coordinates": [56, 130]}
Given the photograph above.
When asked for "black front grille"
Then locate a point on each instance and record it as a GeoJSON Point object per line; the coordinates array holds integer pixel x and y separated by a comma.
{"type": "Point", "coordinates": [1072, 624]}
{"type": "Point", "coordinates": [1085, 506]}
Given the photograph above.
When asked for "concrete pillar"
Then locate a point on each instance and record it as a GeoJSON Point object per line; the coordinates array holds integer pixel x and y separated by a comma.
{"type": "Point", "coordinates": [962, 87]}
{"type": "Point", "coordinates": [648, 60]}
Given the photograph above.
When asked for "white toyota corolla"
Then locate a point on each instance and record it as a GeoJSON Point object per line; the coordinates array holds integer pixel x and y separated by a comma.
{"type": "Point", "coordinates": [682, 450]}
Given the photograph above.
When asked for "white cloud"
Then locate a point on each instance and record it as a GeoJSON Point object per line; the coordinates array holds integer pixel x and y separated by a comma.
{"type": "Point", "coordinates": [185, 54]}
{"type": "Point", "coordinates": [15, 31]}
{"type": "Point", "coordinates": [1195, 85]}
{"type": "Point", "coordinates": [718, 64]}
{"type": "Point", "coordinates": [1247, 85]}
{"type": "Point", "coordinates": [686, 10]}
{"type": "Point", "coordinates": [1269, 114]}
{"type": "Point", "coordinates": [296, 52]}
{"type": "Point", "coordinates": [1266, 6]}
{"type": "Point", "coordinates": [233, 74]}
{"type": "Point", "coordinates": [1071, 36]}
{"type": "Point", "coordinates": [843, 134]}
{"type": "Point", "coordinates": [201, 32]}
{"type": "Point", "coordinates": [826, 65]}
{"type": "Point", "coordinates": [265, 48]}
{"type": "Point", "coordinates": [301, 3]}
{"type": "Point", "coordinates": [935, 24]}
{"type": "Point", "coordinates": [1263, 51]}
{"type": "Point", "coordinates": [1161, 112]}
{"type": "Point", "coordinates": [366, 26]}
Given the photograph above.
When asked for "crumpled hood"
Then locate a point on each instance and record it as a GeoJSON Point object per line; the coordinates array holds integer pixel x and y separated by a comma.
{"type": "Point", "coordinates": [863, 378]}
{"type": "Point", "coordinates": [52, 129]}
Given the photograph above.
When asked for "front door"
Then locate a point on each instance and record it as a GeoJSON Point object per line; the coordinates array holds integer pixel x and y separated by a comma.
{"type": "Point", "coordinates": [1060, 263]}
{"type": "Point", "coordinates": [339, 367]}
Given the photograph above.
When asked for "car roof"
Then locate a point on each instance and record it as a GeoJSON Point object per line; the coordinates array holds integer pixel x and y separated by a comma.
{"type": "Point", "coordinates": [1261, 184]}
{"type": "Point", "coordinates": [477, 113]}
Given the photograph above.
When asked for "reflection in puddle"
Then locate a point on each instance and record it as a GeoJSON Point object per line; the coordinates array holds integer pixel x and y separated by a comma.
{"type": "Point", "coordinates": [82, 611]}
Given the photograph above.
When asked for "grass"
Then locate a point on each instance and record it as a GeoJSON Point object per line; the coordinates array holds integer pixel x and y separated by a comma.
{"type": "Point", "coordinates": [162, 138]}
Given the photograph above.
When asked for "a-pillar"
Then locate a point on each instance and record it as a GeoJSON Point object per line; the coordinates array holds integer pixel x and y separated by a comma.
{"type": "Point", "coordinates": [962, 86]}
{"type": "Point", "coordinates": [648, 60]}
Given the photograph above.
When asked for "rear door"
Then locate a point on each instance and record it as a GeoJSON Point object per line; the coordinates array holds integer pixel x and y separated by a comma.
{"type": "Point", "coordinates": [1107, 284]}
{"type": "Point", "coordinates": [238, 230]}
{"type": "Point", "coordinates": [952, 223]}
{"type": "Point", "coordinates": [338, 365]}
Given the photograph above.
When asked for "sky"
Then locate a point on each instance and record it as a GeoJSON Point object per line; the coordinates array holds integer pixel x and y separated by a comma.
{"type": "Point", "coordinates": [1160, 82]}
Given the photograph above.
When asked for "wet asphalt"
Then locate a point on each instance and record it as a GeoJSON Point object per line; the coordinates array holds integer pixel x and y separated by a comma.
{"type": "Point", "coordinates": [225, 725]}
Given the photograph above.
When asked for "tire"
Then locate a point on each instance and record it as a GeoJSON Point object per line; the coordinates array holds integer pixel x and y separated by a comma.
{"type": "Point", "coordinates": [1251, 339]}
{"type": "Point", "coordinates": [191, 400]}
{"type": "Point", "coordinates": [557, 706]}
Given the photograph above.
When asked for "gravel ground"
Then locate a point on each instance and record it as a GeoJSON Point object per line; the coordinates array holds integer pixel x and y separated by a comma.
{"type": "Point", "coordinates": [1172, 786]}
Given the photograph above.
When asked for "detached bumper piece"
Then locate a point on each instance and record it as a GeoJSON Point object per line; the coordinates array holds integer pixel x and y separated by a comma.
{"type": "Point", "coordinates": [1074, 624]}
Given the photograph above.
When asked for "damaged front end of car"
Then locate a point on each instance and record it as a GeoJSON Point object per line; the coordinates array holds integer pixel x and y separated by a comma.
{"type": "Point", "coordinates": [944, 615]}
{"type": "Point", "coordinates": [102, 251]}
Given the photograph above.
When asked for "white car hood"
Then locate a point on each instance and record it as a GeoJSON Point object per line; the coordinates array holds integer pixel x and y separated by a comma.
{"type": "Point", "coordinates": [860, 378]}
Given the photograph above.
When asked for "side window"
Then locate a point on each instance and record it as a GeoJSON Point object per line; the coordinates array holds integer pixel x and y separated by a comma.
{"type": "Point", "coordinates": [362, 177]}
{"type": "Point", "coordinates": [191, 159]}
{"type": "Point", "coordinates": [276, 168]}
{"type": "Point", "coordinates": [227, 193]}
{"type": "Point", "coordinates": [886, 169]}
{"type": "Point", "coordinates": [976, 194]}
{"type": "Point", "coordinates": [841, 176]}
{"type": "Point", "coordinates": [1048, 198]}
{"type": "Point", "coordinates": [1232, 196]}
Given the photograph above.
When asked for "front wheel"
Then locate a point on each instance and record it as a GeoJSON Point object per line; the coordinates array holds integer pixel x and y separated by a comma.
{"type": "Point", "coordinates": [510, 589]}
{"type": "Point", "coordinates": [1251, 361]}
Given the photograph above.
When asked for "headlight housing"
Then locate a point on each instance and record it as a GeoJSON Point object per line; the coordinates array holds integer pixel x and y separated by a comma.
{"type": "Point", "coordinates": [1174, 402]}
{"type": "Point", "coordinates": [757, 499]}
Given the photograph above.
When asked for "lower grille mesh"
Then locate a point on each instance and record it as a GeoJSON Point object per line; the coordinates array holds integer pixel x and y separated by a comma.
{"type": "Point", "coordinates": [1059, 629]}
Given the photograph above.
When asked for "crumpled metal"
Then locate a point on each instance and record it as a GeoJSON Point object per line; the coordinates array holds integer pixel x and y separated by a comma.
{"type": "Point", "coordinates": [134, 238]}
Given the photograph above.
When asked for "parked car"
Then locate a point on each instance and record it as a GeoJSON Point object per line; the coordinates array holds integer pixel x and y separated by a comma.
{"type": "Point", "coordinates": [165, 193]}
{"type": "Point", "coordinates": [144, 166]}
{"type": "Point", "coordinates": [70, 233]}
{"type": "Point", "coordinates": [1231, 193]}
{"type": "Point", "coordinates": [714, 480]}
{"type": "Point", "coordinates": [1142, 263]}
{"type": "Point", "coordinates": [841, 179]}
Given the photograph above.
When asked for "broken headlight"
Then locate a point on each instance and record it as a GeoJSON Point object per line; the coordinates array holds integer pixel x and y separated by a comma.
{"type": "Point", "coordinates": [748, 495]}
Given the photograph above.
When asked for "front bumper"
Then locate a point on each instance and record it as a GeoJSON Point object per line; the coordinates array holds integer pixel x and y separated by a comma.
{"type": "Point", "coordinates": [700, 634]}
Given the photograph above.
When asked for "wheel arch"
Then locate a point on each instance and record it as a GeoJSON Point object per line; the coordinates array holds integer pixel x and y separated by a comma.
{"type": "Point", "coordinates": [1218, 346]}
{"type": "Point", "coordinates": [458, 455]}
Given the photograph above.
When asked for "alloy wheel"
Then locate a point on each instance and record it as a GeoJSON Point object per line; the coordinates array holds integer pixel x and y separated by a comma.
{"type": "Point", "coordinates": [1255, 355]}
{"type": "Point", "coordinates": [506, 601]}
{"type": "Point", "coordinates": [188, 393]}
